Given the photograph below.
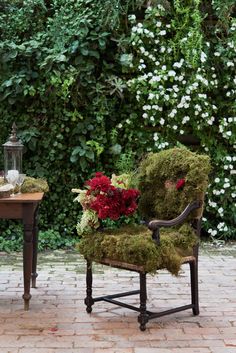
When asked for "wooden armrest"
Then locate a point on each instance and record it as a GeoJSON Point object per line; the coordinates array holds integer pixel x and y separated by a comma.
{"type": "Point", "coordinates": [154, 225]}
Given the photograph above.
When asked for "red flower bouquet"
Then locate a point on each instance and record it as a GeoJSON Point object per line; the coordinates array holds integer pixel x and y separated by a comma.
{"type": "Point", "coordinates": [104, 199]}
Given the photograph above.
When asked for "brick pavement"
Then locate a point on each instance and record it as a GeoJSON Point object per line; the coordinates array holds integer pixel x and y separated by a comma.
{"type": "Point", "coordinates": [58, 323]}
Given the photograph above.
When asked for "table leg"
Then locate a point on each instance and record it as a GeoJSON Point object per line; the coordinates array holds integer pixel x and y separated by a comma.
{"type": "Point", "coordinates": [35, 249]}
{"type": "Point", "coordinates": [28, 222]}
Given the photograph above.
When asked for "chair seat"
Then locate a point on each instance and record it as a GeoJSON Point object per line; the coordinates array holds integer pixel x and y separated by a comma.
{"type": "Point", "coordinates": [137, 268]}
{"type": "Point", "coordinates": [132, 248]}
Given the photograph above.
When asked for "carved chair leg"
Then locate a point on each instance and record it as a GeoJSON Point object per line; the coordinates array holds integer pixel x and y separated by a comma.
{"type": "Point", "coordinates": [143, 316]}
{"type": "Point", "coordinates": [194, 286]}
{"type": "Point", "coordinates": [89, 280]}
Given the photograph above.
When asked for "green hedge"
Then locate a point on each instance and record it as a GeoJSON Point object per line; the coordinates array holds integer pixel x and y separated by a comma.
{"type": "Point", "coordinates": [71, 76]}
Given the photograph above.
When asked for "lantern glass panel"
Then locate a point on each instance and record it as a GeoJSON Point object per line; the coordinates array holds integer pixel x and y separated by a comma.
{"type": "Point", "coordinates": [13, 159]}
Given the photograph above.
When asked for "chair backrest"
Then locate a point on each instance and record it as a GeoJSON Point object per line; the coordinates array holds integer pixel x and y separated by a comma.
{"type": "Point", "coordinates": [170, 180]}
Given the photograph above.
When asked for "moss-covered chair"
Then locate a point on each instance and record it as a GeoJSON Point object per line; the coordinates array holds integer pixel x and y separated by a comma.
{"type": "Point", "coordinates": [172, 185]}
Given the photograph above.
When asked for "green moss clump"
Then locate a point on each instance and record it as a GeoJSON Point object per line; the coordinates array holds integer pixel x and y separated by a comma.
{"type": "Point", "coordinates": [134, 245]}
{"type": "Point", "coordinates": [158, 175]}
{"type": "Point", "coordinates": [34, 185]}
{"type": "Point", "coordinates": [30, 185]}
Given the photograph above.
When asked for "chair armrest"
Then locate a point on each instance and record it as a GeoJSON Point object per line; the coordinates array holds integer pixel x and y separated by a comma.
{"type": "Point", "coordinates": [154, 225]}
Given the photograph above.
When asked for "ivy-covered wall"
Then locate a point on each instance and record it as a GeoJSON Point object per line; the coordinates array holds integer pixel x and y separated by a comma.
{"type": "Point", "coordinates": [93, 83]}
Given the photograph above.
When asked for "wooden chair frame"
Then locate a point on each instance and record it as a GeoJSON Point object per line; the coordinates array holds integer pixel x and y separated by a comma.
{"type": "Point", "coordinates": [145, 315]}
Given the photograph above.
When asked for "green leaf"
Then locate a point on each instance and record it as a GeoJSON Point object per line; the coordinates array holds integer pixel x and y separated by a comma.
{"type": "Point", "coordinates": [84, 51]}
{"type": "Point", "coordinates": [61, 58]}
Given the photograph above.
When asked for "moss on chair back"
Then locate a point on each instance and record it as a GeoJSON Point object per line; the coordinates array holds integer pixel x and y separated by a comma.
{"type": "Point", "coordinates": [158, 176]}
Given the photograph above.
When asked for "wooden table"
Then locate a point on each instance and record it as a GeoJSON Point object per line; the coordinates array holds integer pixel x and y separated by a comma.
{"type": "Point", "coordinates": [25, 207]}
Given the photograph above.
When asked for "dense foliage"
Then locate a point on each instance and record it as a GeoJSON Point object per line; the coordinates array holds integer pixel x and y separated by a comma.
{"type": "Point", "coordinates": [93, 85]}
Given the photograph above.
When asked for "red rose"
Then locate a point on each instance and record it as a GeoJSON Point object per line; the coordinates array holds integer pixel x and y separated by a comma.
{"type": "Point", "coordinates": [180, 184]}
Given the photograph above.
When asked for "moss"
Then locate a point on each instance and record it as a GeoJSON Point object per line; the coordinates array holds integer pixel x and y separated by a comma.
{"type": "Point", "coordinates": [34, 185]}
{"type": "Point", "coordinates": [30, 185]}
{"type": "Point", "coordinates": [134, 244]}
{"type": "Point", "coordinates": [158, 175]}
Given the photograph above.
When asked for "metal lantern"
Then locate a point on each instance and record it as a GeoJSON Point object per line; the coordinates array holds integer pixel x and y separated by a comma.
{"type": "Point", "coordinates": [13, 150]}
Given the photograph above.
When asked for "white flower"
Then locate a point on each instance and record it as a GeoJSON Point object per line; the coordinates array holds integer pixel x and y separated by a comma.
{"type": "Point", "coordinates": [171, 73]}
{"type": "Point", "coordinates": [212, 232]}
{"type": "Point", "coordinates": [175, 88]}
{"type": "Point", "coordinates": [185, 119]}
{"type": "Point", "coordinates": [158, 24]}
{"type": "Point", "coordinates": [162, 33]}
{"type": "Point", "coordinates": [217, 180]}
{"type": "Point", "coordinates": [212, 204]}
{"type": "Point", "coordinates": [172, 113]}
{"type": "Point", "coordinates": [155, 79]}
{"type": "Point", "coordinates": [132, 18]}
{"type": "Point", "coordinates": [203, 57]}
{"type": "Point", "coordinates": [220, 225]}
{"type": "Point", "coordinates": [155, 136]}
{"type": "Point", "coordinates": [216, 192]}
{"type": "Point", "coordinates": [162, 121]}
{"type": "Point", "coordinates": [151, 96]}
{"type": "Point", "coordinates": [177, 64]}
